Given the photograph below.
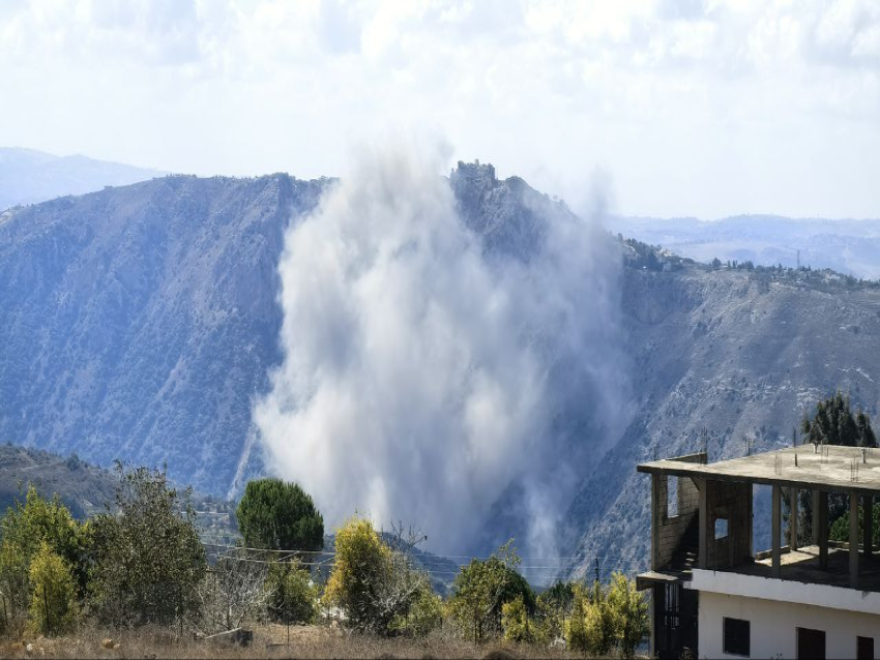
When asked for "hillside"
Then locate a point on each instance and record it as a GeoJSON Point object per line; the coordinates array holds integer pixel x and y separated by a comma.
{"type": "Point", "coordinates": [29, 177]}
{"type": "Point", "coordinates": [84, 488]}
{"type": "Point", "coordinates": [139, 322]}
{"type": "Point", "coordinates": [847, 246]}
{"type": "Point", "coordinates": [142, 322]}
{"type": "Point", "coordinates": [743, 354]}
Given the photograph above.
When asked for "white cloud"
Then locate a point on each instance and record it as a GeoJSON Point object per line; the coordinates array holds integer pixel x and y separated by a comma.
{"type": "Point", "coordinates": [651, 90]}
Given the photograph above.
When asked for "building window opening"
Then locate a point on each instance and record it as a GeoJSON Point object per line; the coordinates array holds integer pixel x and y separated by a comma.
{"type": "Point", "coordinates": [865, 648]}
{"type": "Point", "coordinates": [810, 644]}
{"type": "Point", "coordinates": [737, 637]}
{"type": "Point", "coordinates": [671, 497]}
{"type": "Point", "coordinates": [720, 528]}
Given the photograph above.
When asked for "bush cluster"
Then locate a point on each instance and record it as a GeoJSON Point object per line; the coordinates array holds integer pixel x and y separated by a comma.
{"type": "Point", "coordinates": [142, 563]}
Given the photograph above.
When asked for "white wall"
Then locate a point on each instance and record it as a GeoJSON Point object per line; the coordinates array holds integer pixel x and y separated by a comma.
{"type": "Point", "coordinates": [774, 623]}
{"type": "Point", "coordinates": [786, 591]}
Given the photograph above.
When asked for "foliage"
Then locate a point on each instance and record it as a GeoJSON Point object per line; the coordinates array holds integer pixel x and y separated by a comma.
{"type": "Point", "coordinates": [279, 515]}
{"type": "Point", "coordinates": [24, 529]}
{"type": "Point", "coordinates": [361, 562]}
{"type": "Point", "coordinates": [482, 588]}
{"type": "Point", "coordinates": [835, 423]}
{"type": "Point", "coordinates": [148, 560]}
{"type": "Point", "coordinates": [554, 607]}
{"type": "Point", "coordinates": [628, 614]}
{"type": "Point", "coordinates": [575, 630]}
{"type": "Point", "coordinates": [53, 607]}
{"type": "Point", "coordinates": [840, 529]}
{"type": "Point", "coordinates": [293, 598]}
{"type": "Point", "coordinates": [602, 621]}
{"type": "Point", "coordinates": [377, 587]}
{"type": "Point", "coordinates": [515, 621]}
{"type": "Point", "coordinates": [425, 615]}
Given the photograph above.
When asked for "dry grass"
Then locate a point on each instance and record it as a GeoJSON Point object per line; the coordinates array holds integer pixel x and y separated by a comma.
{"type": "Point", "coordinates": [269, 642]}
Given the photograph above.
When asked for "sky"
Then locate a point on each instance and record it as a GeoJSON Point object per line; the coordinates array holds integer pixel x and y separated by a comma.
{"type": "Point", "coordinates": [705, 108]}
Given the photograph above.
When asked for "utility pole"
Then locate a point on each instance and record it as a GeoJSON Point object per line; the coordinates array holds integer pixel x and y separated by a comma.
{"type": "Point", "coordinates": [597, 569]}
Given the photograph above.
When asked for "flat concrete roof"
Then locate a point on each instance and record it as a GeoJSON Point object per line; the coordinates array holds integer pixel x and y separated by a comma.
{"type": "Point", "coordinates": [829, 469]}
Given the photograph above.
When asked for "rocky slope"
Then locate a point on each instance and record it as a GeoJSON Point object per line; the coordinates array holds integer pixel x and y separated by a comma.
{"type": "Point", "coordinates": [141, 323]}
{"type": "Point", "coordinates": [29, 177]}
{"type": "Point", "coordinates": [743, 354]}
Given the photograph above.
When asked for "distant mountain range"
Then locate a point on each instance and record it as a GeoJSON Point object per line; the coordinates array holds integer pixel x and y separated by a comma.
{"type": "Point", "coordinates": [847, 246]}
{"type": "Point", "coordinates": [29, 177]}
{"type": "Point", "coordinates": [141, 322]}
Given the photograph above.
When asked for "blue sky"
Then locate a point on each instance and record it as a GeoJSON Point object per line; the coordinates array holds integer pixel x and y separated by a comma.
{"type": "Point", "coordinates": [704, 108]}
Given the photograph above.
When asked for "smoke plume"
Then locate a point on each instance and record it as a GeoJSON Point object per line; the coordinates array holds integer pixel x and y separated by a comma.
{"type": "Point", "coordinates": [432, 380]}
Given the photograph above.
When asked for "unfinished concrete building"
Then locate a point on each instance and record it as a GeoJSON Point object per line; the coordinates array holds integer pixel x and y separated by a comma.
{"type": "Point", "coordinates": [713, 596]}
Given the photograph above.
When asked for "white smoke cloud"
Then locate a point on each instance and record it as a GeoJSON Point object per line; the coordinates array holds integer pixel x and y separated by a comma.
{"type": "Point", "coordinates": [423, 378]}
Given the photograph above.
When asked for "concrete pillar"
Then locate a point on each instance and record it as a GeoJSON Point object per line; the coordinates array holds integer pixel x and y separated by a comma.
{"type": "Point", "coordinates": [751, 521]}
{"type": "Point", "coordinates": [868, 525]}
{"type": "Point", "coordinates": [853, 540]}
{"type": "Point", "coordinates": [656, 482]}
{"type": "Point", "coordinates": [793, 519]}
{"type": "Point", "coordinates": [815, 495]}
{"type": "Point", "coordinates": [776, 530]}
{"type": "Point", "coordinates": [703, 485]}
{"type": "Point", "coordinates": [822, 528]}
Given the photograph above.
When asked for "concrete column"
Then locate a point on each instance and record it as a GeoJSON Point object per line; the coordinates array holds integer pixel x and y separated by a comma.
{"type": "Point", "coordinates": [815, 495]}
{"type": "Point", "coordinates": [703, 485]}
{"type": "Point", "coordinates": [656, 482]}
{"type": "Point", "coordinates": [822, 528]}
{"type": "Point", "coordinates": [776, 530]}
{"type": "Point", "coordinates": [868, 524]}
{"type": "Point", "coordinates": [793, 519]}
{"type": "Point", "coordinates": [751, 521]}
{"type": "Point", "coordinates": [853, 540]}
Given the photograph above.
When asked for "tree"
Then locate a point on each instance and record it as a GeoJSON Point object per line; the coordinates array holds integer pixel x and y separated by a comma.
{"type": "Point", "coordinates": [376, 586]}
{"type": "Point", "coordinates": [575, 633]}
{"type": "Point", "coordinates": [515, 622]}
{"type": "Point", "coordinates": [425, 615]}
{"type": "Point", "coordinates": [233, 590]}
{"type": "Point", "coordinates": [293, 598]}
{"type": "Point", "coordinates": [361, 563]}
{"type": "Point", "coordinates": [24, 529]}
{"type": "Point", "coordinates": [554, 607]}
{"type": "Point", "coordinates": [279, 515]}
{"type": "Point", "coordinates": [482, 588]}
{"type": "Point", "coordinates": [53, 607]}
{"type": "Point", "coordinates": [148, 560]}
{"type": "Point", "coordinates": [628, 612]}
{"type": "Point", "coordinates": [833, 423]}
{"type": "Point", "coordinates": [840, 529]}
{"type": "Point", "coordinates": [604, 620]}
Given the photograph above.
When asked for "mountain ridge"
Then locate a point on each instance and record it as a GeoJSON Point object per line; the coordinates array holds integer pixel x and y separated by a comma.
{"type": "Point", "coordinates": [141, 322]}
{"type": "Point", "coordinates": [28, 176]}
